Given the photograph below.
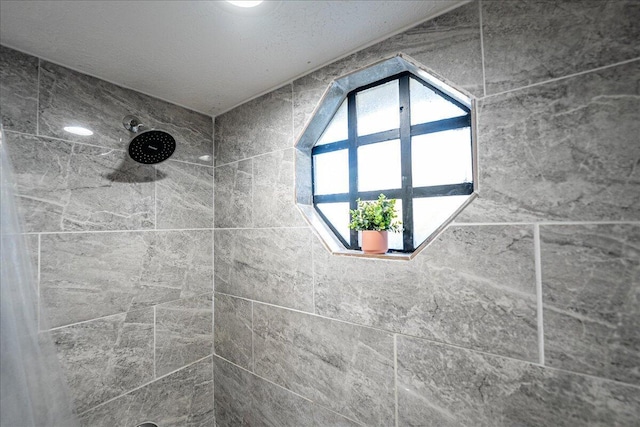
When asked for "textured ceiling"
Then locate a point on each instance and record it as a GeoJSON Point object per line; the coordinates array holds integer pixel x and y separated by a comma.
{"type": "Point", "coordinates": [205, 55]}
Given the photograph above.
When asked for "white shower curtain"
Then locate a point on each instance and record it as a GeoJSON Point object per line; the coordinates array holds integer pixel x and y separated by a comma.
{"type": "Point", "coordinates": [32, 388]}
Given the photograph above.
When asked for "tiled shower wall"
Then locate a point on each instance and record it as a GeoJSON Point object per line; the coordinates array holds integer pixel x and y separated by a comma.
{"type": "Point", "coordinates": [123, 251]}
{"type": "Point", "coordinates": [526, 311]}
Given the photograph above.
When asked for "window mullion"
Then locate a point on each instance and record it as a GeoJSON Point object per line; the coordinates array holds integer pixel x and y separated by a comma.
{"type": "Point", "coordinates": [352, 122]}
{"type": "Point", "coordinates": [405, 156]}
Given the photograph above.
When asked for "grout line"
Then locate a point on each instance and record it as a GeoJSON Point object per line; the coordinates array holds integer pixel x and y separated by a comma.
{"type": "Point", "coordinates": [38, 99]}
{"type": "Point", "coordinates": [125, 312]}
{"type": "Point", "coordinates": [313, 273]}
{"type": "Point", "coordinates": [395, 373]}
{"type": "Point", "coordinates": [253, 353]}
{"type": "Point", "coordinates": [475, 224]}
{"type": "Point", "coordinates": [253, 185]}
{"type": "Point", "coordinates": [253, 157]}
{"type": "Point", "coordinates": [484, 74]}
{"type": "Point", "coordinates": [38, 282]}
{"type": "Point", "coordinates": [306, 227]}
{"type": "Point", "coordinates": [557, 79]}
{"type": "Point", "coordinates": [146, 384]}
{"type": "Point", "coordinates": [300, 227]}
{"type": "Point", "coordinates": [120, 231]}
{"type": "Point", "coordinates": [538, 266]}
{"type": "Point", "coordinates": [287, 390]}
{"type": "Point", "coordinates": [154, 340]}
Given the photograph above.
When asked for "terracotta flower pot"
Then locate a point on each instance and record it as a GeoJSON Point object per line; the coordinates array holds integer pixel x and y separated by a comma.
{"type": "Point", "coordinates": [375, 242]}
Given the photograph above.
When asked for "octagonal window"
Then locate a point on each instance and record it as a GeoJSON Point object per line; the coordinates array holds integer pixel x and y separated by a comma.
{"type": "Point", "coordinates": [391, 129]}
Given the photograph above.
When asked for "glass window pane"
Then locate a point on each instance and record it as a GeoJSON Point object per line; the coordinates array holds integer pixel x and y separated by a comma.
{"type": "Point", "coordinates": [337, 130]}
{"type": "Point", "coordinates": [338, 215]}
{"type": "Point", "coordinates": [331, 172]}
{"type": "Point", "coordinates": [395, 239]}
{"type": "Point", "coordinates": [430, 212]}
{"type": "Point", "coordinates": [379, 166]}
{"type": "Point", "coordinates": [441, 158]}
{"type": "Point", "coordinates": [428, 106]}
{"type": "Point", "coordinates": [378, 108]}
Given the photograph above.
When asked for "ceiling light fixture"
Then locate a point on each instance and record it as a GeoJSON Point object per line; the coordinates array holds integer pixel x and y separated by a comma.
{"type": "Point", "coordinates": [245, 3]}
{"type": "Point", "coordinates": [77, 130]}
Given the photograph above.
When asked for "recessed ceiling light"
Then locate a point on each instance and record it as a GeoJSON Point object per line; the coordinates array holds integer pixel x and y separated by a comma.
{"type": "Point", "coordinates": [245, 3]}
{"type": "Point", "coordinates": [77, 130]}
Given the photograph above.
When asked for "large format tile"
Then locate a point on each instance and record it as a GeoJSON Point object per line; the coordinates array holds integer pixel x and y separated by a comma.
{"type": "Point", "coordinates": [259, 126]}
{"type": "Point", "coordinates": [273, 193]}
{"type": "Point", "coordinates": [184, 196]}
{"type": "Point", "coordinates": [591, 289]}
{"type": "Point", "coordinates": [531, 41]}
{"type": "Point", "coordinates": [232, 330]}
{"type": "Point", "coordinates": [448, 45]}
{"type": "Point", "coordinates": [268, 265]}
{"type": "Point", "coordinates": [106, 357]}
{"type": "Point", "coordinates": [473, 287]}
{"type": "Point", "coordinates": [347, 368]}
{"type": "Point", "coordinates": [242, 399]}
{"type": "Point", "coordinates": [65, 186]}
{"type": "Point", "coordinates": [442, 386]}
{"type": "Point", "coordinates": [70, 98]}
{"type": "Point", "coordinates": [233, 191]}
{"type": "Point", "coordinates": [184, 332]}
{"type": "Point", "coordinates": [18, 90]}
{"type": "Point", "coordinates": [84, 276]}
{"type": "Point", "coordinates": [182, 399]}
{"type": "Point", "coordinates": [565, 150]}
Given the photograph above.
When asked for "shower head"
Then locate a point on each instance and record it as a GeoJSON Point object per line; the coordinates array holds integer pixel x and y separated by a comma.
{"type": "Point", "coordinates": [150, 146]}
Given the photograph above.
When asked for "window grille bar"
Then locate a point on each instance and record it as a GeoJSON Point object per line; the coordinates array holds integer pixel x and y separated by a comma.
{"type": "Point", "coordinates": [405, 156]}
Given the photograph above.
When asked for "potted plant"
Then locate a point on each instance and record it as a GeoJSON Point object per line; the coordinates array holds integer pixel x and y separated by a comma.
{"type": "Point", "coordinates": [375, 219]}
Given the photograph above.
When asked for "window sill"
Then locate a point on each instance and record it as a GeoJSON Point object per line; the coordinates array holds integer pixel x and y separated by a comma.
{"type": "Point", "coordinates": [333, 245]}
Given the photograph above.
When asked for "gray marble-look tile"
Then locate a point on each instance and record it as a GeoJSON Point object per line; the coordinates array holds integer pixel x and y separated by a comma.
{"type": "Point", "coordinates": [448, 45]}
{"type": "Point", "coordinates": [531, 41]}
{"type": "Point", "coordinates": [473, 287]}
{"type": "Point", "coordinates": [442, 386]}
{"type": "Point", "coordinates": [233, 189]}
{"type": "Point", "coordinates": [242, 399]}
{"type": "Point", "coordinates": [18, 90]}
{"type": "Point", "coordinates": [347, 368]}
{"type": "Point", "coordinates": [591, 290]}
{"type": "Point", "coordinates": [565, 150]}
{"type": "Point", "coordinates": [259, 126]}
{"type": "Point", "coordinates": [269, 265]}
{"type": "Point", "coordinates": [70, 98]}
{"type": "Point", "coordinates": [233, 329]}
{"type": "Point", "coordinates": [184, 196]}
{"type": "Point", "coordinates": [184, 332]}
{"type": "Point", "coordinates": [88, 275]}
{"type": "Point", "coordinates": [273, 193]}
{"type": "Point", "coordinates": [64, 186]}
{"type": "Point", "coordinates": [182, 399]}
{"type": "Point", "coordinates": [104, 358]}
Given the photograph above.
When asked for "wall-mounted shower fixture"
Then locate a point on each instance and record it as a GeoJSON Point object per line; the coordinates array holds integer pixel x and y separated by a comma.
{"type": "Point", "coordinates": [148, 146]}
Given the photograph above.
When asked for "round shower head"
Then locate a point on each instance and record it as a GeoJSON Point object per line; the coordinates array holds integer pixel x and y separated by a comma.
{"type": "Point", "coordinates": [151, 147]}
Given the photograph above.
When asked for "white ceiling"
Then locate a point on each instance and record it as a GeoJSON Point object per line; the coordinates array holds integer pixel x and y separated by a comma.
{"type": "Point", "coordinates": [205, 55]}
